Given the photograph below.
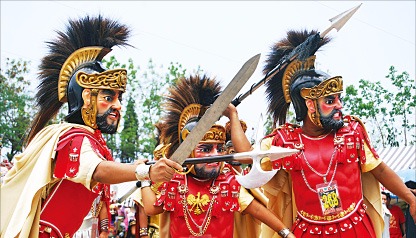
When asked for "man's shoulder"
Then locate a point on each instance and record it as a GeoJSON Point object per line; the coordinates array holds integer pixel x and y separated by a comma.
{"type": "Point", "coordinates": [65, 127]}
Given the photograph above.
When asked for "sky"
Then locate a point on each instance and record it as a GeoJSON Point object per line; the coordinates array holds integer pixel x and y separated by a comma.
{"type": "Point", "coordinates": [219, 36]}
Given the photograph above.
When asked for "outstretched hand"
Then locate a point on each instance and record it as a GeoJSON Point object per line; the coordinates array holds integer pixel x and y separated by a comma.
{"type": "Point", "coordinates": [163, 170]}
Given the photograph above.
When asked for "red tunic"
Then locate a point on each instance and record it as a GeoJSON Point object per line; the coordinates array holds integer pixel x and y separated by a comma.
{"type": "Point", "coordinates": [68, 203]}
{"type": "Point", "coordinates": [396, 219]}
{"type": "Point", "coordinates": [328, 190]}
{"type": "Point", "coordinates": [198, 211]}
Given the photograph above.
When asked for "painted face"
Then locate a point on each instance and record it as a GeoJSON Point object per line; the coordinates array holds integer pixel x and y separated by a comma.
{"type": "Point", "coordinates": [208, 170]}
{"type": "Point", "coordinates": [108, 110]}
{"type": "Point", "coordinates": [330, 113]}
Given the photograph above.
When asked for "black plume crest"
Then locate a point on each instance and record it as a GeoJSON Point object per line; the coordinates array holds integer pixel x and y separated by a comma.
{"type": "Point", "coordinates": [87, 31]}
{"type": "Point", "coordinates": [274, 92]}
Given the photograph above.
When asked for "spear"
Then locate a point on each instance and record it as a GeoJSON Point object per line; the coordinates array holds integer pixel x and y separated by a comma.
{"type": "Point", "coordinates": [273, 153]}
{"type": "Point", "coordinates": [301, 52]}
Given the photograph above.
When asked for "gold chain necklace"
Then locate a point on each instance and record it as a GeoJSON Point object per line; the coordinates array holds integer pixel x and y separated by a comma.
{"type": "Point", "coordinates": [202, 228]}
{"type": "Point", "coordinates": [205, 223]}
{"type": "Point", "coordinates": [316, 172]}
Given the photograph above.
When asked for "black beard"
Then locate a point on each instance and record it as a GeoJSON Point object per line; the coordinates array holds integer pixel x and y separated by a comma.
{"type": "Point", "coordinates": [102, 124]}
{"type": "Point", "coordinates": [328, 123]}
{"type": "Point", "coordinates": [202, 174]}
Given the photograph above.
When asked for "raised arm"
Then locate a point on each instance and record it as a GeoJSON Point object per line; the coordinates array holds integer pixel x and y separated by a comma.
{"type": "Point", "coordinates": [238, 137]}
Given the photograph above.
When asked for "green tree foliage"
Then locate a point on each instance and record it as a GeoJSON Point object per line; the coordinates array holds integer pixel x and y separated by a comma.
{"type": "Point", "coordinates": [153, 85]}
{"type": "Point", "coordinates": [15, 107]}
{"type": "Point", "coordinates": [403, 104]}
{"type": "Point", "coordinates": [142, 111]}
{"type": "Point", "coordinates": [366, 102]}
{"type": "Point", "coordinates": [290, 118]}
{"type": "Point", "coordinates": [387, 111]}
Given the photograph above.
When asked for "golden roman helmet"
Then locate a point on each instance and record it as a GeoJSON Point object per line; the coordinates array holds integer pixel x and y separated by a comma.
{"type": "Point", "coordinates": [298, 81]}
{"type": "Point", "coordinates": [302, 81]}
{"type": "Point", "coordinates": [83, 70]}
{"type": "Point", "coordinates": [72, 64]}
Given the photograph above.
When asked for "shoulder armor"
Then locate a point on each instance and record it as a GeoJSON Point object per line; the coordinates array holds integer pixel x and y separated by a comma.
{"type": "Point", "coordinates": [69, 148]}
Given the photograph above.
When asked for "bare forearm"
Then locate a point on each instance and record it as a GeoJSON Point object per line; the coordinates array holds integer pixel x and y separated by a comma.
{"type": "Point", "coordinates": [403, 227]}
{"type": "Point", "coordinates": [393, 183]}
{"type": "Point", "coordinates": [238, 137]}
{"type": "Point", "coordinates": [112, 172]}
{"type": "Point", "coordinates": [109, 172]}
{"type": "Point", "coordinates": [149, 198]}
{"type": "Point", "coordinates": [143, 222]}
{"type": "Point", "coordinates": [264, 215]}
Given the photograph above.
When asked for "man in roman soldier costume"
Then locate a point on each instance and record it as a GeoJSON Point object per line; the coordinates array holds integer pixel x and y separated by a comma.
{"type": "Point", "coordinates": [331, 187]}
{"type": "Point", "coordinates": [66, 166]}
{"type": "Point", "coordinates": [201, 202]}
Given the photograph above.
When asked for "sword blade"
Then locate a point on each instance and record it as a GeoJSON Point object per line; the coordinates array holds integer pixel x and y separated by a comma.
{"type": "Point", "coordinates": [216, 110]}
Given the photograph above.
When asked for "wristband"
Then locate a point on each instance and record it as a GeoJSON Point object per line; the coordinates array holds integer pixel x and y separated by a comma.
{"type": "Point", "coordinates": [142, 172]}
{"type": "Point", "coordinates": [284, 232]}
{"type": "Point", "coordinates": [143, 231]}
{"type": "Point", "coordinates": [146, 183]}
{"type": "Point", "coordinates": [104, 225]}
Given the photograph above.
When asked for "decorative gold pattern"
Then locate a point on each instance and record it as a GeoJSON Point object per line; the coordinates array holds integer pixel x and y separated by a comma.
{"type": "Point", "coordinates": [197, 203]}
{"type": "Point", "coordinates": [325, 88]}
{"type": "Point", "coordinates": [189, 112]}
{"type": "Point", "coordinates": [109, 79]}
{"type": "Point", "coordinates": [292, 71]}
{"type": "Point", "coordinates": [160, 151]}
{"type": "Point", "coordinates": [204, 226]}
{"type": "Point", "coordinates": [216, 132]}
{"type": "Point", "coordinates": [329, 218]}
{"type": "Point", "coordinates": [89, 114]}
{"type": "Point", "coordinates": [315, 116]}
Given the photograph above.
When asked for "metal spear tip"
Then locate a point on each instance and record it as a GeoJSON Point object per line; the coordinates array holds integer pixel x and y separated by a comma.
{"type": "Point", "coordinates": [339, 20]}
